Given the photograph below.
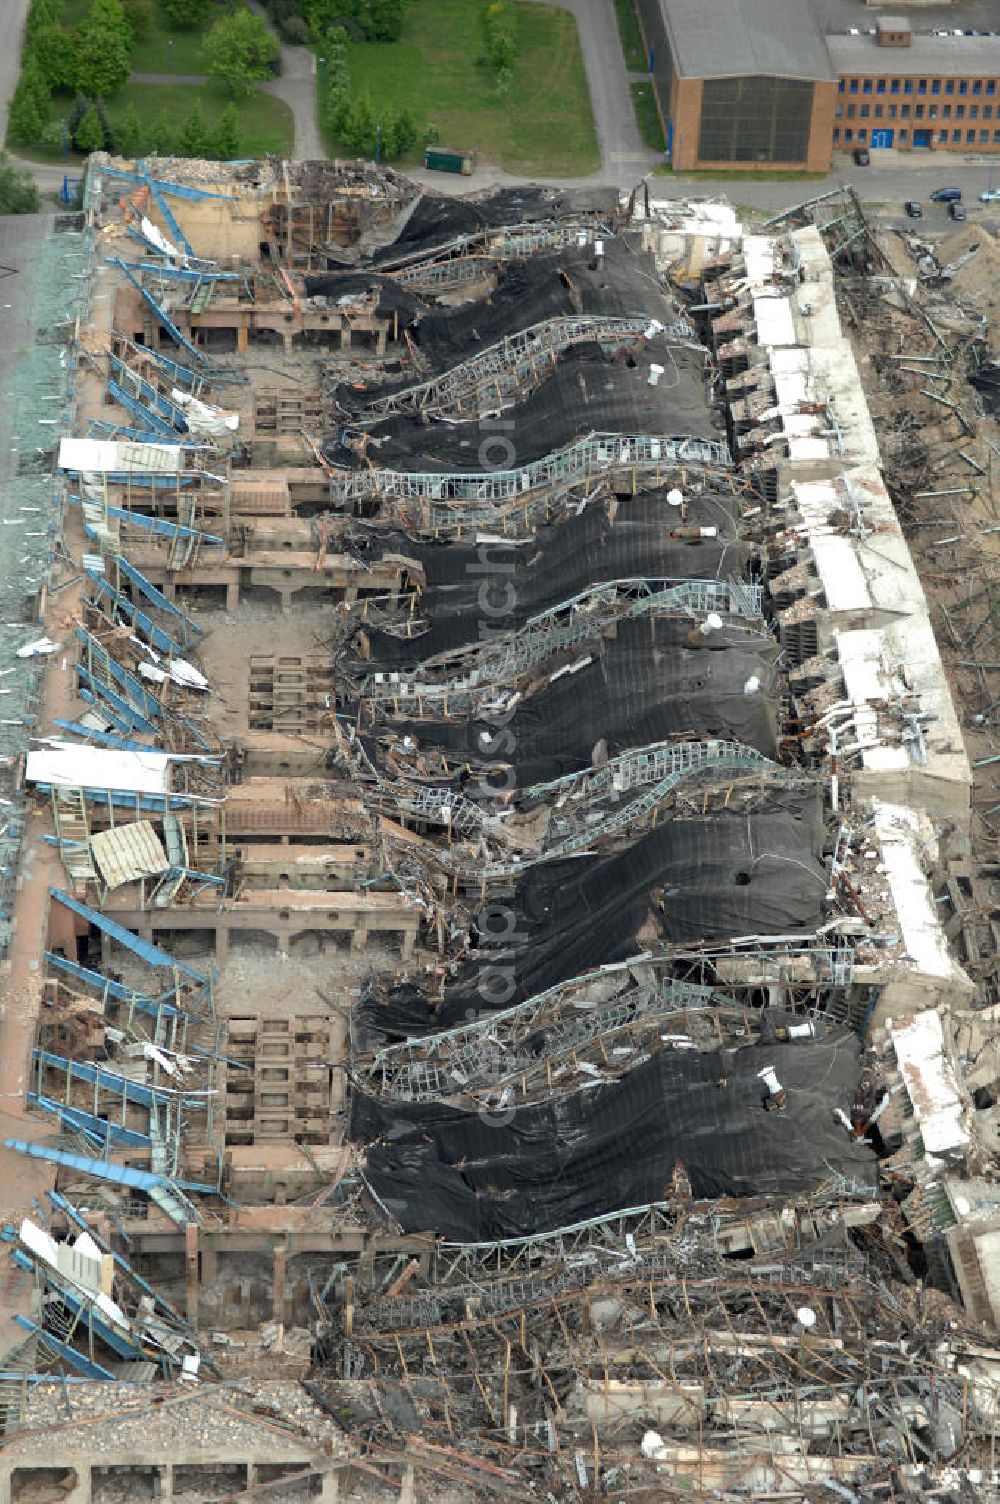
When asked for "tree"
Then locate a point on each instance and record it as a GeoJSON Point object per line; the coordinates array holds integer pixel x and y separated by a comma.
{"type": "Point", "coordinates": [385, 137]}
{"type": "Point", "coordinates": [89, 133]}
{"type": "Point", "coordinates": [386, 20]}
{"type": "Point", "coordinates": [43, 13]}
{"type": "Point", "coordinates": [55, 50]}
{"type": "Point", "coordinates": [406, 133]}
{"type": "Point", "coordinates": [194, 140]}
{"type": "Point", "coordinates": [161, 136]}
{"type": "Point", "coordinates": [107, 19]}
{"type": "Point", "coordinates": [359, 127]}
{"type": "Point", "coordinates": [186, 15]}
{"type": "Point", "coordinates": [29, 107]}
{"type": "Point", "coordinates": [18, 194]}
{"type": "Point", "coordinates": [102, 66]}
{"type": "Point", "coordinates": [140, 16]}
{"type": "Point", "coordinates": [227, 141]}
{"type": "Point", "coordinates": [104, 59]}
{"type": "Point", "coordinates": [130, 132]}
{"type": "Point", "coordinates": [239, 49]}
{"type": "Point", "coordinates": [499, 22]}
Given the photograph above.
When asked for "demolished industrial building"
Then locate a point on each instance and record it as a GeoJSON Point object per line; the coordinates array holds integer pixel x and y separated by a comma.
{"type": "Point", "coordinates": [494, 991]}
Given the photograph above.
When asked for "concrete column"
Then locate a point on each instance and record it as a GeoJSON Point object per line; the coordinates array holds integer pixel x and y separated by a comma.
{"type": "Point", "coordinates": [279, 1283]}
{"type": "Point", "coordinates": [232, 595]}
{"type": "Point", "coordinates": [5, 1470]}
{"type": "Point", "coordinates": [191, 1271]}
{"type": "Point", "coordinates": [406, 1487]}
{"type": "Point", "coordinates": [209, 1267]}
{"type": "Point", "coordinates": [359, 938]}
{"type": "Point", "coordinates": [221, 942]}
{"type": "Point", "coordinates": [345, 335]}
{"type": "Point", "coordinates": [331, 1487]}
{"type": "Point", "coordinates": [409, 939]}
{"type": "Point", "coordinates": [243, 335]}
{"type": "Point", "coordinates": [380, 344]}
{"type": "Point", "coordinates": [167, 1481]}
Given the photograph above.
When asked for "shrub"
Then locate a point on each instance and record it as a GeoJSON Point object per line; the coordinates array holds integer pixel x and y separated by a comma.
{"type": "Point", "coordinates": [186, 15]}
{"type": "Point", "coordinates": [18, 194]}
{"type": "Point", "coordinates": [226, 139]}
{"type": "Point", "coordinates": [89, 133]}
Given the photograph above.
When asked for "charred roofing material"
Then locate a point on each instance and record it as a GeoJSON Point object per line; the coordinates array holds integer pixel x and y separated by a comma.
{"type": "Point", "coordinates": [688, 881]}
{"type": "Point", "coordinates": [646, 684]}
{"type": "Point", "coordinates": [587, 392]}
{"type": "Point", "coordinates": [551, 1164]}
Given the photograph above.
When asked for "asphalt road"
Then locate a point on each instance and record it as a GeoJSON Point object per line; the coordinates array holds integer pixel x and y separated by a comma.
{"type": "Point", "coordinates": [884, 186]}
{"type": "Point", "coordinates": [13, 14]}
{"type": "Point", "coordinates": [624, 158]}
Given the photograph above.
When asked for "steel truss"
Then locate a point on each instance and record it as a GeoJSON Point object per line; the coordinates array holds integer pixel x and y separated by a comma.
{"type": "Point", "coordinates": [650, 458]}
{"type": "Point", "coordinates": [501, 244]}
{"type": "Point", "coordinates": [511, 368]}
{"type": "Point", "coordinates": [487, 665]}
{"type": "Point", "coordinates": [481, 1056]}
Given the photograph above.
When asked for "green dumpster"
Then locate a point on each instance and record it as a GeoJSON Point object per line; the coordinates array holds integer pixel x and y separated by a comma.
{"type": "Point", "coordinates": [441, 159]}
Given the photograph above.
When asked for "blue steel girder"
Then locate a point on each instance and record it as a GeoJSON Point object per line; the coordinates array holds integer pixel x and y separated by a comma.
{"type": "Point", "coordinates": [104, 1169]}
{"type": "Point", "coordinates": [102, 738]}
{"type": "Point", "coordinates": [111, 705]}
{"type": "Point", "coordinates": [158, 525]}
{"type": "Point", "coordinates": [88, 1367]}
{"type": "Point", "coordinates": [145, 389]}
{"type": "Point", "coordinates": [137, 579]}
{"type": "Point", "coordinates": [175, 190]}
{"type": "Point", "coordinates": [139, 410]}
{"type": "Point", "coordinates": [98, 1129]}
{"type": "Point", "coordinates": [100, 665]}
{"type": "Point", "coordinates": [160, 314]}
{"type": "Point", "coordinates": [127, 799]}
{"type": "Point", "coordinates": [99, 430]}
{"type": "Point", "coordinates": [179, 273]}
{"type": "Point", "coordinates": [122, 1088]}
{"type": "Point", "coordinates": [102, 591]}
{"type": "Point", "coordinates": [164, 208]}
{"type": "Point", "coordinates": [127, 996]}
{"type": "Point", "coordinates": [144, 949]}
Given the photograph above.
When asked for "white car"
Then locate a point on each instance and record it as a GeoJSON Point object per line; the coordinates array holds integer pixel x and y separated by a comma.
{"type": "Point", "coordinates": [990, 196]}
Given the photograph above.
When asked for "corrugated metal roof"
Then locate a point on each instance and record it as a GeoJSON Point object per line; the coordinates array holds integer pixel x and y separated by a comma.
{"type": "Point", "coordinates": [128, 852]}
{"type": "Point", "coordinates": [738, 38]}
{"type": "Point", "coordinates": [926, 57]}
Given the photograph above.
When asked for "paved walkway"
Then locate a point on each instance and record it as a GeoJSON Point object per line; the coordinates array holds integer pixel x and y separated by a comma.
{"type": "Point", "coordinates": [297, 87]}
{"type": "Point", "coordinates": [624, 159]}
{"type": "Point", "coordinates": [167, 78]}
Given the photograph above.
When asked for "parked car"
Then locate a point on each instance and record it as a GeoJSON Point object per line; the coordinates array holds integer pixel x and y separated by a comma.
{"type": "Point", "coordinates": [956, 210]}
{"type": "Point", "coordinates": [990, 196]}
{"type": "Point", "coordinates": [913, 209]}
{"type": "Point", "coordinates": [946, 195]}
{"type": "Point", "coordinates": [862, 158]}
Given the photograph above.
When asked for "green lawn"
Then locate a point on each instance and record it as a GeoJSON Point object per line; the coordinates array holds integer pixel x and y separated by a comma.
{"type": "Point", "coordinates": [636, 60]}
{"type": "Point", "coordinates": [266, 123]}
{"type": "Point", "coordinates": [647, 116]}
{"type": "Point", "coordinates": [152, 54]}
{"type": "Point", "coordinates": [543, 126]}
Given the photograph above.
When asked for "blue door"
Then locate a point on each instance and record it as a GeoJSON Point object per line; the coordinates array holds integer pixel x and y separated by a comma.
{"type": "Point", "coordinates": [922, 138]}
{"type": "Point", "coordinates": [883, 138]}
